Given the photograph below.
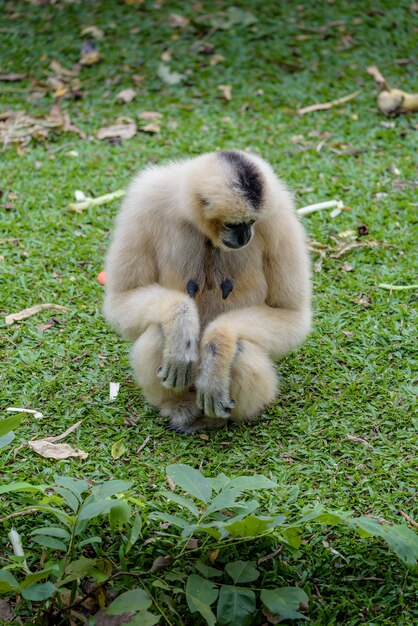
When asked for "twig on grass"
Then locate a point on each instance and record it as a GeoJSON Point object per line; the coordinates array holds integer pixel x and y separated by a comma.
{"type": "Point", "coordinates": [319, 206]}
{"type": "Point", "coordinates": [90, 202]}
{"type": "Point", "coordinates": [327, 105]}
{"type": "Point", "coordinates": [397, 287]}
{"type": "Point", "coordinates": [392, 102]}
{"type": "Point", "coordinates": [17, 317]}
{"type": "Point", "coordinates": [409, 519]}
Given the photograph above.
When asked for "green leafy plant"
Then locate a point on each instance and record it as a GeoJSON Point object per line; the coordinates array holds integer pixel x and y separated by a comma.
{"type": "Point", "coordinates": [195, 566]}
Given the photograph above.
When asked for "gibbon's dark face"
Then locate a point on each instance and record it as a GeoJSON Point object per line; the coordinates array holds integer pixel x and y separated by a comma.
{"type": "Point", "coordinates": [236, 235]}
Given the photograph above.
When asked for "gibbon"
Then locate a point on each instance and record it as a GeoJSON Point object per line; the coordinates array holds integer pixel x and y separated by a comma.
{"type": "Point", "coordinates": [208, 275]}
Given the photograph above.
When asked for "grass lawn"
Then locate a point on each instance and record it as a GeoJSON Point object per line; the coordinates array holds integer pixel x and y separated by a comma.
{"type": "Point", "coordinates": [355, 376]}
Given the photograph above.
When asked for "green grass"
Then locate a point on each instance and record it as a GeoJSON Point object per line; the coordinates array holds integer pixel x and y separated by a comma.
{"type": "Point", "coordinates": [335, 385]}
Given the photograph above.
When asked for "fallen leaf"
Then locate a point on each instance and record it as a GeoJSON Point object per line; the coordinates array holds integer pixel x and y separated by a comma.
{"type": "Point", "coordinates": [18, 127]}
{"type": "Point", "coordinates": [5, 611]}
{"type": "Point", "coordinates": [151, 128]}
{"type": "Point", "coordinates": [12, 77]}
{"type": "Point", "coordinates": [362, 230]}
{"type": "Point", "coordinates": [90, 55]}
{"type": "Point", "coordinates": [348, 333]}
{"type": "Point", "coordinates": [126, 95]}
{"type": "Point", "coordinates": [118, 449]}
{"type": "Point", "coordinates": [359, 440]}
{"type": "Point", "coordinates": [216, 58]}
{"type": "Point", "coordinates": [213, 555]}
{"type": "Point", "coordinates": [178, 21]}
{"type": "Point", "coordinates": [347, 267]}
{"type": "Point", "coordinates": [226, 91]}
{"type": "Point", "coordinates": [53, 321]}
{"type": "Point", "coordinates": [16, 317]}
{"type": "Point", "coordinates": [167, 76]}
{"type": "Point", "coordinates": [101, 618]}
{"type": "Point", "coordinates": [204, 437]}
{"type": "Point", "coordinates": [160, 563]}
{"type": "Point", "coordinates": [61, 70]}
{"type": "Point", "coordinates": [170, 483]}
{"type": "Point", "coordinates": [123, 131]}
{"type": "Point", "coordinates": [94, 31]}
{"type": "Point", "coordinates": [150, 115]}
{"type": "Point", "coordinates": [58, 451]}
{"type": "Point", "coordinates": [363, 300]}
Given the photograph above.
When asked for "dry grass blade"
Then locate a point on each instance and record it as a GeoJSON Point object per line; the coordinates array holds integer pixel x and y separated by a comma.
{"type": "Point", "coordinates": [360, 440]}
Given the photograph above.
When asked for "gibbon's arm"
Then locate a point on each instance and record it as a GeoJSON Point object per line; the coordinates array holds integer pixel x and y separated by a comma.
{"type": "Point", "coordinates": [134, 301]}
{"type": "Point", "coordinates": [277, 326]}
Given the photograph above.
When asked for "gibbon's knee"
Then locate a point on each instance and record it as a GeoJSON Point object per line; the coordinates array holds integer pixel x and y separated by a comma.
{"type": "Point", "coordinates": [253, 381]}
{"type": "Point", "coordinates": [146, 359]}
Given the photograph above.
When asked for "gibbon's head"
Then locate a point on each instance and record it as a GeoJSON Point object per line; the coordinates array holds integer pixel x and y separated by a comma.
{"type": "Point", "coordinates": [227, 196]}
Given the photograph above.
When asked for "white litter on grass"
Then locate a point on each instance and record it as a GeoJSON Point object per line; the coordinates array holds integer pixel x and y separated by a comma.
{"type": "Point", "coordinates": [17, 547]}
{"type": "Point", "coordinates": [113, 390]}
{"type": "Point", "coordinates": [80, 196]}
{"type": "Point", "coordinates": [319, 206]}
{"type": "Point", "coordinates": [36, 414]}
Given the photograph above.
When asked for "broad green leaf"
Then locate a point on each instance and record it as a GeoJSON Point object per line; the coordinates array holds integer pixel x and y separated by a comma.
{"type": "Point", "coordinates": [144, 618]}
{"type": "Point", "coordinates": [255, 482]}
{"type": "Point", "coordinates": [10, 423]}
{"type": "Point", "coordinates": [401, 539]}
{"type": "Point", "coordinates": [134, 534]}
{"type": "Point", "coordinates": [190, 480]}
{"type": "Point", "coordinates": [133, 600]}
{"type": "Point", "coordinates": [291, 537]}
{"type": "Point", "coordinates": [225, 499]}
{"type": "Point", "coordinates": [69, 498]}
{"type": "Point", "coordinates": [118, 449]}
{"type": "Point", "coordinates": [75, 485]}
{"type": "Point", "coordinates": [200, 594]}
{"type": "Point", "coordinates": [250, 526]}
{"type": "Point", "coordinates": [236, 606]}
{"type": "Point", "coordinates": [51, 531]}
{"type": "Point", "coordinates": [242, 571]}
{"type": "Point", "coordinates": [219, 482]}
{"type": "Point", "coordinates": [94, 509]}
{"type": "Point", "coordinates": [6, 439]}
{"type": "Point", "coordinates": [77, 569]}
{"type": "Point", "coordinates": [182, 501]}
{"type": "Point", "coordinates": [33, 578]}
{"type": "Point", "coordinates": [39, 591]}
{"type": "Point", "coordinates": [50, 542]}
{"type": "Point", "coordinates": [7, 582]}
{"type": "Point", "coordinates": [89, 541]}
{"type": "Point", "coordinates": [21, 486]}
{"type": "Point", "coordinates": [285, 602]}
{"type": "Point", "coordinates": [207, 571]}
{"type": "Point", "coordinates": [119, 515]}
{"type": "Point", "coordinates": [175, 520]}
{"type": "Point", "coordinates": [111, 488]}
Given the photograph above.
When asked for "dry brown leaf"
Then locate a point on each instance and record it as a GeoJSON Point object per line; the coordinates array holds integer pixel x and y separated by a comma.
{"type": "Point", "coordinates": [126, 95]}
{"type": "Point", "coordinates": [150, 115]}
{"type": "Point", "coordinates": [21, 315]}
{"type": "Point", "coordinates": [166, 56]}
{"type": "Point", "coordinates": [359, 440]}
{"type": "Point", "coordinates": [363, 300]}
{"type": "Point", "coordinates": [5, 611]}
{"type": "Point", "coordinates": [160, 563]}
{"type": "Point", "coordinates": [18, 127]}
{"type": "Point", "coordinates": [89, 53]}
{"type": "Point", "coordinates": [226, 91]}
{"type": "Point", "coordinates": [61, 70]}
{"type": "Point", "coordinates": [58, 451]}
{"type": "Point", "coordinates": [178, 21]}
{"type": "Point", "coordinates": [94, 31]}
{"type": "Point", "coordinates": [216, 58]}
{"type": "Point", "coordinates": [171, 483]}
{"type": "Point", "coordinates": [122, 131]}
{"type": "Point", "coordinates": [152, 128]}
{"type": "Point", "coordinates": [213, 555]}
{"type": "Point", "coordinates": [348, 333]}
{"type": "Point", "coordinates": [347, 267]}
{"type": "Point", "coordinates": [12, 77]}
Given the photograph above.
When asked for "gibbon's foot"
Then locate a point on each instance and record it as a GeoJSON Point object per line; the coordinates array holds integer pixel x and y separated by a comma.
{"type": "Point", "coordinates": [200, 423]}
{"type": "Point", "coordinates": [181, 416]}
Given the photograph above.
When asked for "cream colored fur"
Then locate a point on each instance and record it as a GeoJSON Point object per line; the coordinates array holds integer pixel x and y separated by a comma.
{"type": "Point", "coordinates": [202, 360]}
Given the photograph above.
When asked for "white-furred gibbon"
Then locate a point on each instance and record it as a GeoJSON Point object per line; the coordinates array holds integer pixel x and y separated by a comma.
{"type": "Point", "coordinates": [208, 275]}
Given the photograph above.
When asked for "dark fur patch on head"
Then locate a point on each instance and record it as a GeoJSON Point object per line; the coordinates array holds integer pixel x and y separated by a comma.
{"type": "Point", "coordinates": [249, 181]}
